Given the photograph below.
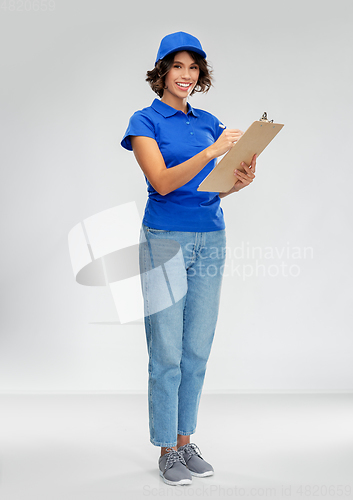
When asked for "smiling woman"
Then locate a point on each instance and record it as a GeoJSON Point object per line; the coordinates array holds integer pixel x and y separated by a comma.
{"type": "Point", "coordinates": [181, 79]}
{"type": "Point", "coordinates": [156, 77]}
{"type": "Point", "coordinates": [176, 147]}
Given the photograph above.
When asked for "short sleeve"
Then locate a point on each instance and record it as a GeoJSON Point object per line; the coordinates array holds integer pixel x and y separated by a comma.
{"type": "Point", "coordinates": [139, 124]}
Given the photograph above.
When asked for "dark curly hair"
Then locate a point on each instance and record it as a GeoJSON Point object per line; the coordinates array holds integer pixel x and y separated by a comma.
{"type": "Point", "coordinates": [156, 77]}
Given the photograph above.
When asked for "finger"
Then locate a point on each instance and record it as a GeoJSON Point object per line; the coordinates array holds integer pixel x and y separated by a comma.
{"type": "Point", "coordinates": [253, 163]}
{"type": "Point", "coordinates": [235, 131]}
{"type": "Point", "coordinates": [251, 167]}
{"type": "Point", "coordinates": [247, 169]}
{"type": "Point", "coordinates": [234, 138]}
{"type": "Point", "coordinates": [244, 181]}
{"type": "Point", "coordinates": [245, 178]}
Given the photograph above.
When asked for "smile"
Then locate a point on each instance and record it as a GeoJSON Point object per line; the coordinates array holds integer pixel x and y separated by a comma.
{"type": "Point", "coordinates": [184, 86]}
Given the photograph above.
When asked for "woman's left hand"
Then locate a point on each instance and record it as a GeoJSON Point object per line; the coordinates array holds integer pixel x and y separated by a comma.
{"type": "Point", "coordinates": [244, 179]}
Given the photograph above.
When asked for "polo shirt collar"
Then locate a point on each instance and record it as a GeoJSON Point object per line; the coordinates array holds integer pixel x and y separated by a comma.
{"type": "Point", "coordinates": [167, 111]}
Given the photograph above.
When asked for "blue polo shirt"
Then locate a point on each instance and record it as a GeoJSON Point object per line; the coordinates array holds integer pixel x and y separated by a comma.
{"type": "Point", "coordinates": [179, 136]}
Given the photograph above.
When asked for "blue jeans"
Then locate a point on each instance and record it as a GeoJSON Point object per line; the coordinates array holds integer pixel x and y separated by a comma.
{"type": "Point", "coordinates": [181, 276]}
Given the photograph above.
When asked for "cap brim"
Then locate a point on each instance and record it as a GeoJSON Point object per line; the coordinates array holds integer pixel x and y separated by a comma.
{"type": "Point", "coordinates": [184, 47]}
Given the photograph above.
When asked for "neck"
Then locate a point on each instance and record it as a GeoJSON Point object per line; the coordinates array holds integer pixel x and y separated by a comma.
{"type": "Point", "coordinates": [175, 102]}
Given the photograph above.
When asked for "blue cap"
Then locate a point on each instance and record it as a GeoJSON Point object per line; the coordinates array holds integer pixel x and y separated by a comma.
{"type": "Point", "coordinates": [176, 42]}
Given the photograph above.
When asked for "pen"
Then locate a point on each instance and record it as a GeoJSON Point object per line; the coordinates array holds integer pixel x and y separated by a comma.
{"type": "Point", "coordinates": [222, 126]}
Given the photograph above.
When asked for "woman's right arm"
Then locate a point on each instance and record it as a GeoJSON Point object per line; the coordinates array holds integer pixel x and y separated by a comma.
{"type": "Point", "coordinates": [163, 179]}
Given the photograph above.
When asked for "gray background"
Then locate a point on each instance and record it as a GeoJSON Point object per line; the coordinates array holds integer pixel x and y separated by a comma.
{"type": "Point", "coordinates": [71, 78]}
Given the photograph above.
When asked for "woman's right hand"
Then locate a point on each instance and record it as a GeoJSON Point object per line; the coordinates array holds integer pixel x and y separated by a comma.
{"type": "Point", "coordinates": [225, 141]}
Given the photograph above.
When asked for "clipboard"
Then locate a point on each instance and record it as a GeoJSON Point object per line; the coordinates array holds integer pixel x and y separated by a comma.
{"type": "Point", "coordinates": [254, 140]}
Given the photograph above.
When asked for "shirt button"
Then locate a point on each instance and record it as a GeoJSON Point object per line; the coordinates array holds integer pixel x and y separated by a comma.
{"type": "Point", "coordinates": [187, 123]}
{"type": "Point", "coordinates": [191, 133]}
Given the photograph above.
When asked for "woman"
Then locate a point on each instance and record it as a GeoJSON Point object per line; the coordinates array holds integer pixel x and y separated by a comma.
{"type": "Point", "coordinates": [182, 246]}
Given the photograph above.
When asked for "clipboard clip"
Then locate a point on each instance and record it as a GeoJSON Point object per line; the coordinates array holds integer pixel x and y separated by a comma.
{"type": "Point", "coordinates": [264, 118]}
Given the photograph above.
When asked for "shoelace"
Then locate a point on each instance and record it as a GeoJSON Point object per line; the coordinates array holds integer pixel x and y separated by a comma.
{"type": "Point", "coordinates": [172, 457]}
{"type": "Point", "coordinates": [191, 449]}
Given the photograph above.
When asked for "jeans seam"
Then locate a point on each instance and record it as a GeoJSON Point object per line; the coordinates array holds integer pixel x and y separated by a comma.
{"type": "Point", "coordinates": [163, 444]}
{"type": "Point", "coordinates": [187, 433]}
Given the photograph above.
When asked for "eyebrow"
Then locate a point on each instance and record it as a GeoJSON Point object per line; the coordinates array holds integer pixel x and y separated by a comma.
{"type": "Point", "coordinates": [179, 62]}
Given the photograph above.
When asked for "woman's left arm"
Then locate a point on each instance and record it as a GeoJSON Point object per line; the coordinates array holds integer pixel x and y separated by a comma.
{"type": "Point", "coordinates": [243, 179]}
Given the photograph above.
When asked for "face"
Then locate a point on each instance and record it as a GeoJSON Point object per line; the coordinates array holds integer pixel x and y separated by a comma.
{"type": "Point", "coordinates": [182, 76]}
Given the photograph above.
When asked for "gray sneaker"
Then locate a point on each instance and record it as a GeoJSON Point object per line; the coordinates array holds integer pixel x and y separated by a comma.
{"type": "Point", "coordinates": [172, 468]}
{"type": "Point", "coordinates": [194, 461]}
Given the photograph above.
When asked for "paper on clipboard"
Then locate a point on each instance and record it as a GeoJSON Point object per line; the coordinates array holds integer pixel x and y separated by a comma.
{"type": "Point", "coordinates": [253, 141]}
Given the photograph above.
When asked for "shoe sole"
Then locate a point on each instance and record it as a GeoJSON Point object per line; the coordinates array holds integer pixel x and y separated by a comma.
{"type": "Point", "coordinates": [175, 483]}
{"type": "Point", "coordinates": [204, 474]}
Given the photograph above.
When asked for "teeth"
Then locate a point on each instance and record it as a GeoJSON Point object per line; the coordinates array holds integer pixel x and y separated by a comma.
{"type": "Point", "coordinates": [183, 84]}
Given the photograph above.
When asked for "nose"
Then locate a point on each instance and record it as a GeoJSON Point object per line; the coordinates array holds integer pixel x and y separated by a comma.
{"type": "Point", "coordinates": [186, 74]}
